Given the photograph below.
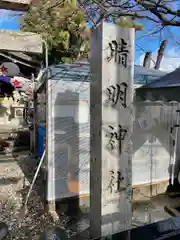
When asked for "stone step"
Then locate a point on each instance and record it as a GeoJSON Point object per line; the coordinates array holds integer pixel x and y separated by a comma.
{"type": "Point", "coordinates": [20, 148]}
{"type": "Point", "coordinates": [13, 150]}
{"type": "Point", "coordinates": [6, 158]}
{"type": "Point", "coordinates": [9, 137]}
{"type": "Point", "coordinates": [12, 141]}
{"type": "Point", "coordinates": [20, 141]}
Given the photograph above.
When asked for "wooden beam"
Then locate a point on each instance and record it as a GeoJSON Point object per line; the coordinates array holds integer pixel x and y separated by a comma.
{"type": "Point", "coordinates": [21, 41]}
{"type": "Point", "coordinates": [25, 57]}
{"type": "Point", "coordinates": [16, 61]}
{"type": "Point", "coordinates": [17, 5]}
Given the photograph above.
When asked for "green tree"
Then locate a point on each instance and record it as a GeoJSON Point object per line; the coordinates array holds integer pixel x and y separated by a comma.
{"type": "Point", "coordinates": [62, 26]}
{"type": "Point", "coordinates": [128, 23]}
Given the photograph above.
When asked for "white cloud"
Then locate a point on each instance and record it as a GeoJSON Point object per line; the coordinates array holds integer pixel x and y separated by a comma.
{"type": "Point", "coordinates": [5, 14]}
{"type": "Point", "coordinates": [8, 14]}
{"type": "Point", "coordinates": [170, 61]}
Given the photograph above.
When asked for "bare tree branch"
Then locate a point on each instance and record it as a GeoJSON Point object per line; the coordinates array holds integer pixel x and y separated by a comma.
{"type": "Point", "coordinates": [150, 33]}
{"type": "Point", "coordinates": [158, 11]}
{"type": "Point", "coordinates": [162, 12]}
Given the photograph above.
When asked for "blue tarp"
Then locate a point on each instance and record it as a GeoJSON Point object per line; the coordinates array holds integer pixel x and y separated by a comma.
{"type": "Point", "coordinates": [41, 134]}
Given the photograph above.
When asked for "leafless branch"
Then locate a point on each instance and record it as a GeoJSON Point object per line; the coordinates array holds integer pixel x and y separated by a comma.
{"type": "Point", "coordinates": [158, 11]}
{"type": "Point", "coordinates": [150, 33]}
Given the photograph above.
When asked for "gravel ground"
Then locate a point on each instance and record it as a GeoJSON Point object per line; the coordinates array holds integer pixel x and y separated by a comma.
{"type": "Point", "coordinates": [28, 226]}
{"type": "Point", "coordinates": [13, 189]}
{"type": "Point", "coordinates": [16, 173]}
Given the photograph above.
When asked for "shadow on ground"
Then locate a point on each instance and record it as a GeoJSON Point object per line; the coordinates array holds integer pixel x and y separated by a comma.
{"type": "Point", "coordinates": [28, 165]}
{"type": "Point", "coordinates": [14, 147]}
{"type": "Point", "coordinates": [9, 180]}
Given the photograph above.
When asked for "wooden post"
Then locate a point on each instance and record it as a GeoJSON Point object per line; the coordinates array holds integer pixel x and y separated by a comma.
{"type": "Point", "coordinates": [160, 54]}
{"type": "Point", "coordinates": [147, 60]}
{"type": "Point", "coordinates": [111, 126]}
{"type": "Point", "coordinates": [51, 193]}
{"type": "Point", "coordinates": [34, 130]}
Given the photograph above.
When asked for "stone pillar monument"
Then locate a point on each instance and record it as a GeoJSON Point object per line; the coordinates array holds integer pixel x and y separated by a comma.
{"type": "Point", "coordinates": [111, 96]}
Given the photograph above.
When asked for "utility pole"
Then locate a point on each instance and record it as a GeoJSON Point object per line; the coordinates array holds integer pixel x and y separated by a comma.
{"type": "Point", "coordinates": [147, 60]}
{"type": "Point", "coordinates": [160, 54]}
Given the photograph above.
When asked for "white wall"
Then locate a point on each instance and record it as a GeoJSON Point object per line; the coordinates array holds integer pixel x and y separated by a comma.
{"type": "Point", "coordinates": [152, 142]}
{"type": "Point", "coordinates": [151, 138]}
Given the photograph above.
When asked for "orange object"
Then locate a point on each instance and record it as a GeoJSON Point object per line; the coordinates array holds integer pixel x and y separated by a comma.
{"type": "Point", "coordinates": [73, 185]}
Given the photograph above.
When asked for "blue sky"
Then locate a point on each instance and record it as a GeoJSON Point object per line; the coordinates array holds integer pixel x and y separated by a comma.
{"type": "Point", "coordinates": [11, 21]}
